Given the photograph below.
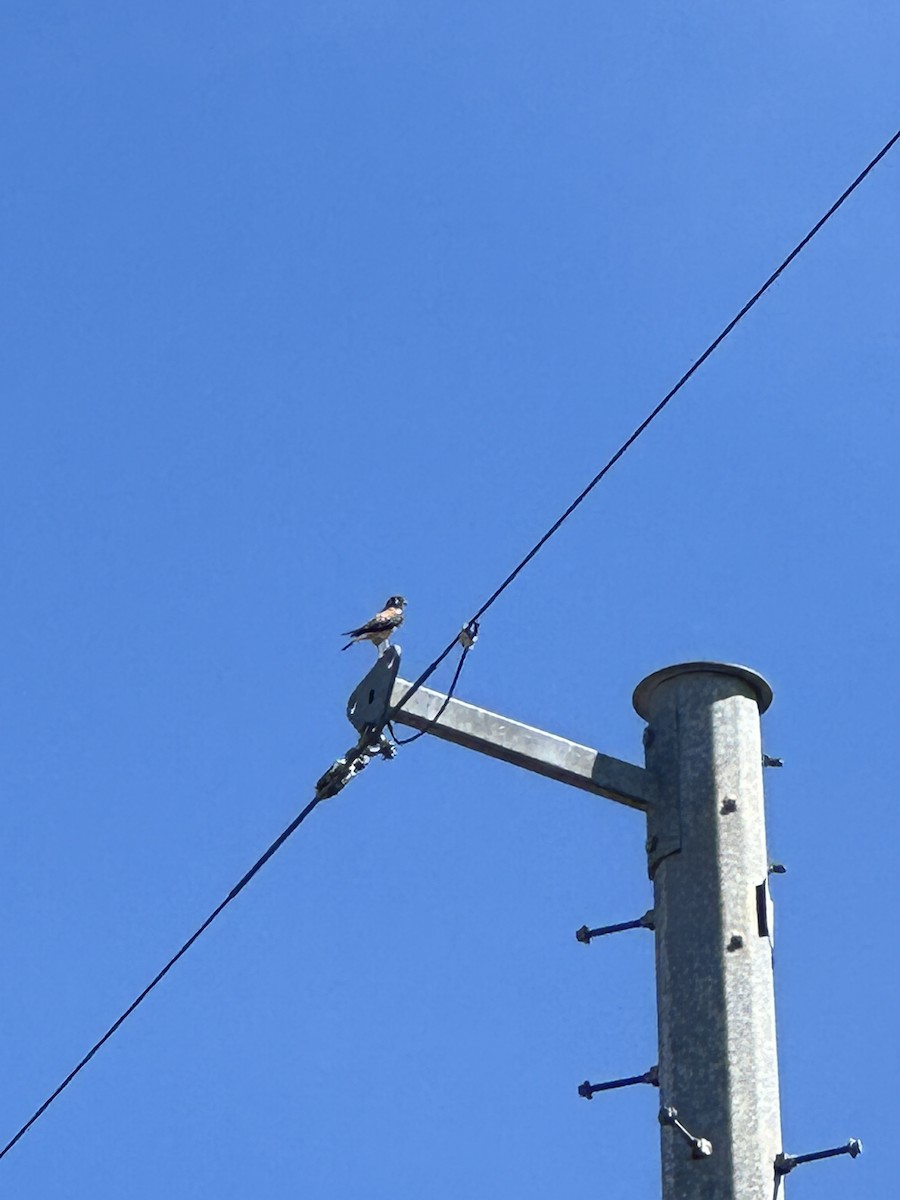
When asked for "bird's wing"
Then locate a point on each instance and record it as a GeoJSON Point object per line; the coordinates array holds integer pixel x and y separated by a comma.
{"type": "Point", "coordinates": [390, 618]}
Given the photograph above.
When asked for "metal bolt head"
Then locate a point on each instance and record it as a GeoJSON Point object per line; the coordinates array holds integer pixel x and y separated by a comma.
{"type": "Point", "coordinates": [854, 1147]}
{"type": "Point", "coordinates": [583, 935]}
{"type": "Point", "coordinates": [585, 1090]}
{"type": "Point", "coordinates": [701, 1148]}
{"type": "Point", "coordinates": [736, 942]}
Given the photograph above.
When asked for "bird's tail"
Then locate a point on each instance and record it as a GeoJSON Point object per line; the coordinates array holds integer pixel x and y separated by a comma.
{"type": "Point", "coordinates": [349, 644]}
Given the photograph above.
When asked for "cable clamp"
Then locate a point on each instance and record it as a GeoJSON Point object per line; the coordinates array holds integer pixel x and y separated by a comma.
{"type": "Point", "coordinates": [371, 743]}
{"type": "Point", "coordinates": [468, 635]}
{"type": "Point", "coordinates": [333, 780]}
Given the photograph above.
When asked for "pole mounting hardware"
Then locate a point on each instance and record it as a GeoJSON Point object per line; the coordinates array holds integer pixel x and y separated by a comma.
{"type": "Point", "coordinates": [785, 1163]}
{"type": "Point", "coordinates": [584, 934]}
{"type": "Point", "coordinates": [368, 707]}
{"type": "Point", "coordinates": [587, 1089]}
{"type": "Point", "coordinates": [772, 762]}
{"type": "Point", "coordinates": [355, 760]}
{"type": "Point", "coordinates": [700, 1147]}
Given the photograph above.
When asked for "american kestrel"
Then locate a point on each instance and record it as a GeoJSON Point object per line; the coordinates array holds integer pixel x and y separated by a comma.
{"type": "Point", "coordinates": [382, 625]}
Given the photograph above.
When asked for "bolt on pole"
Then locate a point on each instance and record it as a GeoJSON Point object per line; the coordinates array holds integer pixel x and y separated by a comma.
{"type": "Point", "coordinates": [707, 856]}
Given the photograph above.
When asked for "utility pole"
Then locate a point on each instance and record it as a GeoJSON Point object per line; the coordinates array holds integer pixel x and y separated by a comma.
{"type": "Point", "coordinates": [702, 792]}
{"type": "Point", "coordinates": [706, 849]}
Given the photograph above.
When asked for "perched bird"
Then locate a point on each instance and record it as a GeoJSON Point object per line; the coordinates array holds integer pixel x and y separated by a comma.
{"type": "Point", "coordinates": [382, 625]}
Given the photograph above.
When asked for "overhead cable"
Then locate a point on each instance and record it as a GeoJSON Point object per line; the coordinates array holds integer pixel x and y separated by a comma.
{"type": "Point", "coordinates": [670, 395]}
{"type": "Point", "coordinates": [340, 773]}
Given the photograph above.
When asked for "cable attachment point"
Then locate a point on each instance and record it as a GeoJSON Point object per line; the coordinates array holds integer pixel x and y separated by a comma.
{"type": "Point", "coordinates": [386, 748]}
{"type": "Point", "coordinates": [772, 762]}
{"type": "Point", "coordinates": [468, 635]}
{"type": "Point", "coordinates": [587, 1088]}
{"type": "Point", "coordinates": [444, 704]}
{"type": "Point", "coordinates": [333, 780]}
{"type": "Point", "coordinates": [371, 743]}
{"type": "Point", "coordinates": [785, 1163]}
{"type": "Point", "coordinates": [700, 1147]}
{"type": "Point", "coordinates": [584, 934]}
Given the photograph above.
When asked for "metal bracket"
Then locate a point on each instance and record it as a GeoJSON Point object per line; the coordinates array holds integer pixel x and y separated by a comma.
{"type": "Point", "coordinates": [700, 1147]}
{"type": "Point", "coordinates": [785, 1163]}
{"type": "Point", "coordinates": [370, 702]}
{"type": "Point", "coordinates": [587, 1088]}
{"type": "Point", "coordinates": [584, 934]}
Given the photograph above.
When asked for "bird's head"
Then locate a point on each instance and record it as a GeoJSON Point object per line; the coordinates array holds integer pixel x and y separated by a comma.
{"type": "Point", "coordinates": [396, 602]}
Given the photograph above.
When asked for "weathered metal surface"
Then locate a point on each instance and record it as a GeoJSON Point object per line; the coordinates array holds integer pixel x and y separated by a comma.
{"type": "Point", "coordinates": [715, 996]}
{"type": "Point", "coordinates": [524, 746]}
{"type": "Point", "coordinates": [644, 691]}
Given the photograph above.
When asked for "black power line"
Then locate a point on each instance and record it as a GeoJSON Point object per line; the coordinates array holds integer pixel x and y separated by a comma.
{"type": "Point", "coordinates": [440, 712]}
{"type": "Point", "coordinates": [235, 891]}
{"type": "Point", "coordinates": [670, 395]}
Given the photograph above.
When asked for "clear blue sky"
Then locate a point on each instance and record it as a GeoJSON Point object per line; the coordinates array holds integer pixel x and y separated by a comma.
{"type": "Point", "coordinates": [308, 303]}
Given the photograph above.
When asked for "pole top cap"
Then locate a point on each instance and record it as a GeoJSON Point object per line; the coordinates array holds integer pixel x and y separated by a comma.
{"type": "Point", "coordinates": [644, 690]}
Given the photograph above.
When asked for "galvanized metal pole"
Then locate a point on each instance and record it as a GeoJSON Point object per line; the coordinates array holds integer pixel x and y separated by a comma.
{"type": "Point", "coordinates": [707, 856]}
